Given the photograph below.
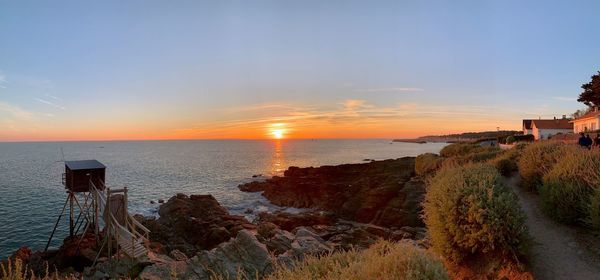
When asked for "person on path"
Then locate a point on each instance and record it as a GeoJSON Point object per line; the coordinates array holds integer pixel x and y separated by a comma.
{"type": "Point", "coordinates": [588, 142]}
{"type": "Point", "coordinates": [581, 142]}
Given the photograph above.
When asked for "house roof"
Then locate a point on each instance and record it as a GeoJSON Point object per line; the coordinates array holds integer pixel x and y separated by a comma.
{"type": "Point", "coordinates": [84, 164]}
{"type": "Point", "coordinates": [527, 124]}
{"type": "Point", "coordinates": [591, 114]}
{"type": "Point", "coordinates": [553, 124]}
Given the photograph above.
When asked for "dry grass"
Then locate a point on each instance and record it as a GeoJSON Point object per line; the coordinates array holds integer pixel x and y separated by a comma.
{"type": "Point", "coordinates": [384, 260]}
{"type": "Point", "coordinates": [569, 190]}
{"type": "Point", "coordinates": [427, 164]}
{"type": "Point", "coordinates": [537, 159]}
{"type": "Point", "coordinates": [15, 270]}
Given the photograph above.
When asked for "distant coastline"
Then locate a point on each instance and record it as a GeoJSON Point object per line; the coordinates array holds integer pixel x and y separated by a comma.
{"type": "Point", "coordinates": [459, 137]}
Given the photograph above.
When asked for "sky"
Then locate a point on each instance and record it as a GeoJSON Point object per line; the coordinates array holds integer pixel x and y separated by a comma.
{"type": "Point", "coordinates": [119, 70]}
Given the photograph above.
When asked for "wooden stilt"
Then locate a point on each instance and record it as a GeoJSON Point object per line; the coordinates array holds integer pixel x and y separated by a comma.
{"type": "Point", "coordinates": [56, 224]}
{"type": "Point", "coordinates": [71, 215]}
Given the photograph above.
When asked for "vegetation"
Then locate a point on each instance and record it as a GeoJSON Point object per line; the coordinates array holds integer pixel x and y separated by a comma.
{"type": "Point", "coordinates": [591, 92]}
{"type": "Point", "coordinates": [427, 164]}
{"type": "Point", "coordinates": [14, 270]}
{"type": "Point", "coordinates": [469, 212]}
{"type": "Point", "coordinates": [383, 260]}
{"type": "Point", "coordinates": [538, 159]}
{"type": "Point", "coordinates": [462, 153]}
{"type": "Point", "coordinates": [475, 135]}
{"type": "Point", "coordinates": [568, 188]}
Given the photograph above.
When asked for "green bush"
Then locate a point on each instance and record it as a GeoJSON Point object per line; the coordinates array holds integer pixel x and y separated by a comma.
{"type": "Point", "coordinates": [506, 162]}
{"type": "Point", "coordinates": [469, 212]}
{"type": "Point", "coordinates": [510, 139]}
{"type": "Point", "coordinates": [428, 163]}
{"type": "Point", "coordinates": [568, 188]}
{"type": "Point", "coordinates": [594, 210]}
{"type": "Point", "coordinates": [537, 159]}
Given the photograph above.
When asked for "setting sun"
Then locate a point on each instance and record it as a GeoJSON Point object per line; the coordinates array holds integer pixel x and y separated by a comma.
{"type": "Point", "coordinates": [277, 130]}
{"type": "Point", "coordinates": [277, 133]}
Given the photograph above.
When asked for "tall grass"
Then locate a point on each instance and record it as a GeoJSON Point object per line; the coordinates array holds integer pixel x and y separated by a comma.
{"type": "Point", "coordinates": [384, 260]}
{"type": "Point", "coordinates": [568, 190]}
{"type": "Point", "coordinates": [15, 270]}
{"type": "Point", "coordinates": [469, 212]}
{"type": "Point", "coordinates": [427, 164]}
{"type": "Point", "coordinates": [537, 159]}
{"type": "Point", "coordinates": [469, 152]}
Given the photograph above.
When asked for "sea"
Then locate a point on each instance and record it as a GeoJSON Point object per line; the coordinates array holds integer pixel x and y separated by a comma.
{"type": "Point", "coordinates": [32, 196]}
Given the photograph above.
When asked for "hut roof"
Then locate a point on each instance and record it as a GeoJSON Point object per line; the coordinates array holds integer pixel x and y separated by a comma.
{"type": "Point", "coordinates": [84, 164]}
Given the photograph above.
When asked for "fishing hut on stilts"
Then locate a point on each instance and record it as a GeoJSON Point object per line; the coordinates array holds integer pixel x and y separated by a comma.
{"type": "Point", "coordinates": [96, 209]}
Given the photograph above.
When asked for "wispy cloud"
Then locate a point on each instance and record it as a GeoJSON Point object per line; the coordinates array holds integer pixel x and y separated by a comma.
{"type": "Point", "coordinates": [562, 98]}
{"type": "Point", "coordinates": [49, 103]}
{"type": "Point", "coordinates": [391, 89]}
{"type": "Point", "coordinates": [349, 116]}
{"type": "Point", "coordinates": [53, 97]}
{"type": "Point", "coordinates": [15, 111]}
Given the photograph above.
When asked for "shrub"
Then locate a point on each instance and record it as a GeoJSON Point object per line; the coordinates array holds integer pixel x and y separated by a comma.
{"type": "Point", "coordinates": [470, 212]}
{"type": "Point", "coordinates": [427, 163]}
{"type": "Point", "coordinates": [537, 159]}
{"type": "Point", "coordinates": [468, 152]}
{"type": "Point", "coordinates": [524, 138]}
{"type": "Point", "coordinates": [506, 162]}
{"type": "Point", "coordinates": [458, 149]}
{"type": "Point", "coordinates": [568, 188]}
{"type": "Point", "coordinates": [383, 260]}
{"type": "Point", "coordinates": [510, 140]}
{"type": "Point", "coordinates": [594, 210]}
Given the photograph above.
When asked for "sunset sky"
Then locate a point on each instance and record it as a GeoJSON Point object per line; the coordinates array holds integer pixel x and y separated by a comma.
{"type": "Point", "coordinates": [109, 70]}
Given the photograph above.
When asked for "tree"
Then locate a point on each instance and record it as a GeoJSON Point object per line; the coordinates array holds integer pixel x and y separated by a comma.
{"type": "Point", "coordinates": [579, 113]}
{"type": "Point", "coordinates": [591, 92]}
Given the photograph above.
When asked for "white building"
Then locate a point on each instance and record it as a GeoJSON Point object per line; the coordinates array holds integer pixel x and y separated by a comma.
{"type": "Point", "coordinates": [544, 129]}
{"type": "Point", "coordinates": [587, 122]}
{"type": "Point", "coordinates": [527, 127]}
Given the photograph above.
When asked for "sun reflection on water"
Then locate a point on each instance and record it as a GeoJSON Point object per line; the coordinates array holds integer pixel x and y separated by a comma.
{"type": "Point", "coordinates": [278, 158]}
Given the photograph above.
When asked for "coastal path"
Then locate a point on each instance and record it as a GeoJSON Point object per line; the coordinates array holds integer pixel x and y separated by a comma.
{"type": "Point", "coordinates": [557, 252]}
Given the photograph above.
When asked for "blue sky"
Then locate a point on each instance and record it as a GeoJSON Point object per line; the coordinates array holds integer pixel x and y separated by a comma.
{"type": "Point", "coordinates": [231, 69]}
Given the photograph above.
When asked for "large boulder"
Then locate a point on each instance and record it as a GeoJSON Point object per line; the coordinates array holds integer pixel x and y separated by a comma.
{"type": "Point", "coordinates": [380, 192]}
{"type": "Point", "coordinates": [193, 223]}
{"type": "Point", "coordinates": [244, 253]}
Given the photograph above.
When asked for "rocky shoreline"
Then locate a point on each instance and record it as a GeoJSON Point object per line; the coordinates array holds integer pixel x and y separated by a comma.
{"type": "Point", "coordinates": [351, 206]}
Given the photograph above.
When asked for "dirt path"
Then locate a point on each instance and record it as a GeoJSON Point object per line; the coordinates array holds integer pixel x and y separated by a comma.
{"type": "Point", "coordinates": [557, 254]}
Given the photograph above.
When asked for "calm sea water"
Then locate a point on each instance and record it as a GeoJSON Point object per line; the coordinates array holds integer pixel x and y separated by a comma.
{"type": "Point", "coordinates": [31, 195]}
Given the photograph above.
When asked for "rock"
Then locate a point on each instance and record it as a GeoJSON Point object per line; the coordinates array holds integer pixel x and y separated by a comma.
{"type": "Point", "coordinates": [194, 223]}
{"type": "Point", "coordinates": [248, 211]}
{"type": "Point", "coordinates": [288, 221]}
{"type": "Point", "coordinates": [178, 255]}
{"type": "Point", "coordinates": [267, 229]}
{"type": "Point", "coordinates": [244, 253]}
{"type": "Point", "coordinates": [280, 242]}
{"type": "Point", "coordinates": [164, 267]}
{"type": "Point", "coordinates": [307, 242]}
{"type": "Point", "coordinates": [77, 252]}
{"type": "Point", "coordinates": [23, 253]}
{"type": "Point", "coordinates": [161, 201]}
{"type": "Point", "coordinates": [152, 202]}
{"type": "Point", "coordinates": [383, 193]}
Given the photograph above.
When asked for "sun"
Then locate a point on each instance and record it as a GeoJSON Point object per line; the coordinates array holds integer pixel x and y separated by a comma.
{"type": "Point", "coordinates": [277, 133]}
{"type": "Point", "coordinates": [277, 130]}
